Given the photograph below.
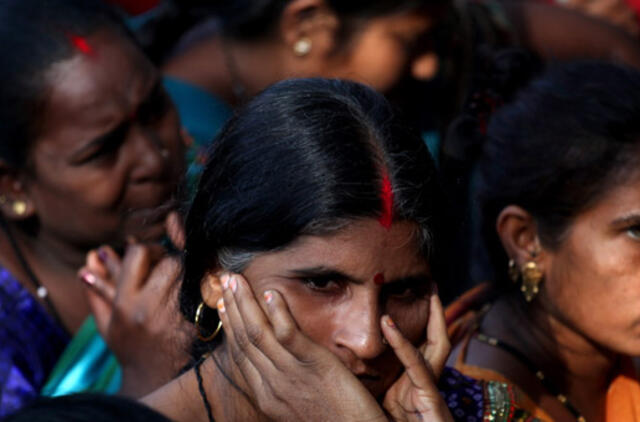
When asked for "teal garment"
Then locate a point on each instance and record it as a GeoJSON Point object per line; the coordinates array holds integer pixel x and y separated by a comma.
{"type": "Point", "coordinates": [432, 140]}
{"type": "Point", "coordinates": [202, 115]}
{"type": "Point", "coordinates": [86, 365]}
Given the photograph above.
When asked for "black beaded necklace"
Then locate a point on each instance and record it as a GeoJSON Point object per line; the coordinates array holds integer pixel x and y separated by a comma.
{"type": "Point", "coordinates": [41, 291]}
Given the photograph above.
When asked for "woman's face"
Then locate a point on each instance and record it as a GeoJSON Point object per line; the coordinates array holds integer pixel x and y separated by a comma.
{"type": "Point", "coordinates": [383, 51]}
{"type": "Point", "coordinates": [592, 281]}
{"type": "Point", "coordinates": [109, 154]}
{"type": "Point", "coordinates": [337, 287]}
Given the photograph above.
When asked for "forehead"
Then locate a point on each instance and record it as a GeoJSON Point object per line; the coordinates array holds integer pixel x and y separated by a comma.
{"type": "Point", "coordinates": [360, 250]}
{"type": "Point", "coordinates": [620, 200]}
{"type": "Point", "coordinates": [89, 90]}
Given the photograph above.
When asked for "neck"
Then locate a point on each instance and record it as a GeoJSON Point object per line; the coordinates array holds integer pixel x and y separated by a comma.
{"type": "Point", "coordinates": [55, 265]}
{"type": "Point", "coordinates": [217, 64]}
{"type": "Point", "coordinates": [182, 401]}
{"type": "Point", "coordinates": [579, 368]}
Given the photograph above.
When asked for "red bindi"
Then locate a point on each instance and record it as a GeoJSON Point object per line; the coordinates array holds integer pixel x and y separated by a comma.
{"type": "Point", "coordinates": [81, 44]}
{"type": "Point", "coordinates": [386, 194]}
{"type": "Point", "coordinates": [378, 279]}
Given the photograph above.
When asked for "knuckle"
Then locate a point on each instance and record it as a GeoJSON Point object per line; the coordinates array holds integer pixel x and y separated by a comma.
{"type": "Point", "coordinates": [242, 341]}
{"type": "Point", "coordinates": [255, 335]}
{"type": "Point", "coordinates": [285, 334]}
{"type": "Point", "coordinates": [238, 358]}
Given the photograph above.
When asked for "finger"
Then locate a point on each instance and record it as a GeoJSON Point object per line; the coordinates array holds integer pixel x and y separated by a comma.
{"type": "Point", "coordinates": [136, 266]}
{"type": "Point", "coordinates": [95, 265]}
{"type": "Point", "coordinates": [285, 328]}
{"type": "Point", "coordinates": [163, 280]}
{"type": "Point", "coordinates": [98, 285]}
{"type": "Point", "coordinates": [415, 365]}
{"type": "Point", "coordinates": [101, 309]}
{"type": "Point", "coordinates": [100, 296]}
{"type": "Point", "coordinates": [111, 260]}
{"type": "Point", "coordinates": [254, 333]}
{"type": "Point", "coordinates": [437, 347]}
{"type": "Point", "coordinates": [175, 230]}
{"type": "Point", "coordinates": [236, 340]}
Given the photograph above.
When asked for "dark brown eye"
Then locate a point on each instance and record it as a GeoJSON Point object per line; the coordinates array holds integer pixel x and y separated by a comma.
{"type": "Point", "coordinates": [319, 283]}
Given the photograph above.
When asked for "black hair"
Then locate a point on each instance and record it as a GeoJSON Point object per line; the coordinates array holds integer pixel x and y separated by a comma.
{"type": "Point", "coordinates": [247, 19]}
{"type": "Point", "coordinates": [85, 408]}
{"type": "Point", "coordinates": [558, 148]}
{"type": "Point", "coordinates": [499, 76]}
{"type": "Point", "coordinates": [305, 157]}
{"type": "Point", "coordinates": [34, 35]}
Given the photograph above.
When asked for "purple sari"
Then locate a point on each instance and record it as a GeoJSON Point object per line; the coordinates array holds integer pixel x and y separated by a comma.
{"type": "Point", "coordinates": [30, 344]}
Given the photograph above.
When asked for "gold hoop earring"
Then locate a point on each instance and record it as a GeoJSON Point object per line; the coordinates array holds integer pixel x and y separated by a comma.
{"type": "Point", "coordinates": [19, 207]}
{"type": "Point", "coordinates": [197, 324]}
{"type": "Point", "coordinates": [302, 47]}
{"type": "Point", "coordinates": [531, 278]}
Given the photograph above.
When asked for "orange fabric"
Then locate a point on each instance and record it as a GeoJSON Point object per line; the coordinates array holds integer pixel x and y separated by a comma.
{"type": "Point", "coordinates": [463, 316]}
{"type": "Point", "coordinates": [623, 396]}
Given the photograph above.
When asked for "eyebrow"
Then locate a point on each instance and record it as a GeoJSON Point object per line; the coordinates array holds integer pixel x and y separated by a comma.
{"type": "Point", "coordinates": [630, 219]}
{"type": "Point", "coordinates": [323, 272]}
{"type": "Point", "coordinates": [117, 131]}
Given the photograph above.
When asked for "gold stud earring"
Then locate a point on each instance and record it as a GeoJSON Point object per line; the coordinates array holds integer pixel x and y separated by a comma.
{"type": "Point", "coordinates": [302, 47]}
{"type": "Point", "coordinates": [531, 278]}
{"type": "Point", "coordinates": [514, 274]}
{"type": "Point", "coordinates": [19, 207]}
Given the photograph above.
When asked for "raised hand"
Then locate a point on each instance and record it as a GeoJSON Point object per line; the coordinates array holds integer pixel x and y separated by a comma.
{"type": "Point", "coordinates": [415, 396]}
{"type": "Point", "coordinates": [134, 300]}
{"type": "Point", "coordinates": [289, 376]}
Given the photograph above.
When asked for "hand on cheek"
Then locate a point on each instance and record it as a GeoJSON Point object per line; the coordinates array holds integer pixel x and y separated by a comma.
{"type": "Point", "coordinates": [415, 395]}
{"type": "Point", "coordinates": [287, 375]}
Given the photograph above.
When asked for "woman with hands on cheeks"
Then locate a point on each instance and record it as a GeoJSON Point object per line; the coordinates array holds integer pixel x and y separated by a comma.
{"type": "Point", "coordinates": [310, 260]}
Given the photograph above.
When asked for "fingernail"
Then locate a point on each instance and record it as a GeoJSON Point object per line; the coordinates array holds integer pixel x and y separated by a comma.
{"type": "Point", "coordinates": [268, 296]}
{"type": "Point", "coordinates": [102, 255]}
{"type": "Point", "coordinates": [234, 284]}
{"type": "Point", "coordinates": [225, 280]}
{"type": "Point", "coordinates": [88, 278]}
{"type": "Point", "coordinates": [389, 322]}
{"type": "Point", "coordinates": [220, 306]}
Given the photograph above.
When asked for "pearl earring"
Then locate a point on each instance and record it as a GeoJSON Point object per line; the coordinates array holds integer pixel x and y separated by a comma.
{"type": "Point", "coordinates": [302, 47]}
{"type": "Point", "coordinates": [19, 207]}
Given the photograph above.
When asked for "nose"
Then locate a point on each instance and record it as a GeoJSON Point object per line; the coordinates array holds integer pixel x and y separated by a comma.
{"type": "Point", "coordinates": [425, 66]}
{"type": "Point", "coordinates": [150, 155]}
{"type": "Point", "coordinates": [360, 334]}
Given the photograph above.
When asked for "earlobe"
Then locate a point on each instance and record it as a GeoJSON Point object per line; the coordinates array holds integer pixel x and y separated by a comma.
{"type": "Point", "coordinates": [211, 289]}
{"type": "Point", "coordinates": [304, 26]}
{"type": "Point", "coordinates": [425, 67]}
{"type": "Point", "coordinates": [14, 201]}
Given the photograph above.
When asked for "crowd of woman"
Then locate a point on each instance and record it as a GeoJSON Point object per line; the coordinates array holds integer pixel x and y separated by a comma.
{"type": "Point", "coordinates": [317, 210]}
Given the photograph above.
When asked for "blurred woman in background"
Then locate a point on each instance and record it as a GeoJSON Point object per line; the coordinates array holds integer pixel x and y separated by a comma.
{"type": "Point", "coordinates": [559, 195]}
